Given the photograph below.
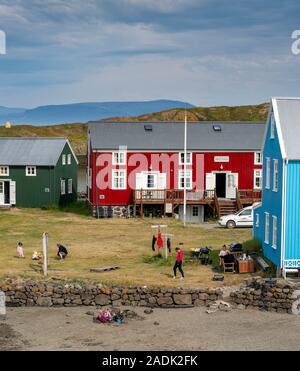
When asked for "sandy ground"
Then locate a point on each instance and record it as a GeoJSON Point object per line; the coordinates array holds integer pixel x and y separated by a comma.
{"type": "Point", "coordinates": [177, 329]}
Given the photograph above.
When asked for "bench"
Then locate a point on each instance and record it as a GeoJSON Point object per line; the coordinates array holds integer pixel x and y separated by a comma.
{"type": "Point", "coordinates": [264, 265]}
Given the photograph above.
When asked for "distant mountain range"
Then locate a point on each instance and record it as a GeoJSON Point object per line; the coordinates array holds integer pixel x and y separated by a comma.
{"type": "Point", "coordinates": [83, 112]}
{"type": "Point", "coordinates": [77, 133]}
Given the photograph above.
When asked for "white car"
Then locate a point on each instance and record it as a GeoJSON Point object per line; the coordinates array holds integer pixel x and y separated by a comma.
{"type": "Point", "coordinates": [243, 218]}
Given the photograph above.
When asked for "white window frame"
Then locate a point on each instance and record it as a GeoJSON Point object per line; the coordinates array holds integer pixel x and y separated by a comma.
{"type": "Point", "coordinates": [63, 159]}
{"type": "Point", "coordinates": [275, 175]}
{"type": "Point", "coordinates": [257, 220]}
{"type": "Point", "coordinates": [4, 170]}
{"type": "Point", "coordinates": [272, 129]}
{"type": "Point", "coordinates": [70, 186]}
{"type": "Point", "coordinates": [256, 176]}
{"type": "Point", "coordinates": [274, 232]}
{"type": "Point", "coordinates": [118, 155]}
{"type": "Point", "coordinates": [69, 159]}
{"type": "Point", "coordinates": [267, 228]}
{"type": "Point", "coordinates": [29, 171]}
{"type": "Point", "coordinates": [189, 156]}
{"type": "Point", "coordinates": [258, 158]}
{"type": "Point", "coordinates": [116, 175]}
{"type": "Point", "coordinates": [62, 187]}
{"type": "Point", "coordinates": [268, 172]}
{"type": "Point", "coordinates": [189, 175]}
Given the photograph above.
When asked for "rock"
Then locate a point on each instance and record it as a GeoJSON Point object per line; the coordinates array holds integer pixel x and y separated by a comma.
{"type": "Point", "coordinates": [241, 306]}
{"type": "Point", "coordinates": [44, 301]}
{"type": "Point", "coordinates": [148, 311]}
{"type": "Point", "coordinates": [156, 323]}
{"type": "Point", "coordinates": [165, 300]}
{"type": "Point", "coordinates": [90, 313]}
{"type": "Point", "coordinates": [182, 299]}
{"type": "Point", "coordinates": [102, 299]}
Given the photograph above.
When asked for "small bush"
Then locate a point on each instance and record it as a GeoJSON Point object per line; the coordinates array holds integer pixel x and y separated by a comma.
{"type": "Point", "coordinates": [253, 245]}
{"type": "Point", "coordinates": [76, 207]}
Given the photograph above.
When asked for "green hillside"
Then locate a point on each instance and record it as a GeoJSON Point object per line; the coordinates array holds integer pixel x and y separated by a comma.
{"type": "Point", "coordinates": [77, 132]}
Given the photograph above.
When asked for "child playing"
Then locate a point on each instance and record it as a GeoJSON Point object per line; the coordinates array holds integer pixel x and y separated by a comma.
{"type": "Point", "coordinates": [20, 250]}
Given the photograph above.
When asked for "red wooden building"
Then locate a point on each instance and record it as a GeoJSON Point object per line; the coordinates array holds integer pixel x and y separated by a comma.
{"type": "Point", "coordinates": [138, 168]}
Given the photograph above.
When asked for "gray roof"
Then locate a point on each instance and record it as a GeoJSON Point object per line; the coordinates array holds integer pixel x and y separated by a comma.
{"type": "Point", "coordinates": [289, 121]}
{"type": "Point", "coordinates": [168, 136]}
{"type": "Point", "coordinates": [31, 151]}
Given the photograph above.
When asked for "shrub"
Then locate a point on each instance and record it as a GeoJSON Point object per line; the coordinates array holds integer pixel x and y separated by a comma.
{"type": "Point", "coordinates": [253, 245]}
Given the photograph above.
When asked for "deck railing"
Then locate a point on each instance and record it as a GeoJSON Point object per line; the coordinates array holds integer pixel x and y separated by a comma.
{"type": "Point", "coordinates": [249, 195]}
{"type": "Point", "coordinates": [171, 195]}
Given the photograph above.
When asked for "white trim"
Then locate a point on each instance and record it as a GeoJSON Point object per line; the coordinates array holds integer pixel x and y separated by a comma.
{"type": "Point", "coordinates": [283, 213]}
{"type": "Point", "coordinates": [278, 127]}
{"type": "Point", "coordinates": [191, 158]}
{"type": "Point", "coordinates": [261, 158]}
{"type": "Point", "coordinates": [185, 176]}
{"type": "Point", "coordinates": [267, 236]}
{"type": "Point", "coordinates": [274, 235]}
{"type": "Point", "coordinates": [63, 159]}
{"type": "Point", "coordinates": [275, 176]}
{"type": "Point", "coordinates": [29, 173]}
{"type": "Point", "coordinates": [73, 153]}
{"type": "Point", "coordinates": [4, 167]}
{"type": "Point", "coordinates": [291, 263]}
{"type": "Point", "coordinates": [118, 176]}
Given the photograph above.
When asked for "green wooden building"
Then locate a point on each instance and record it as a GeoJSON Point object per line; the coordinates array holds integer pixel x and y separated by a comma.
{"type": "Point", "coordinates": [37, 171]}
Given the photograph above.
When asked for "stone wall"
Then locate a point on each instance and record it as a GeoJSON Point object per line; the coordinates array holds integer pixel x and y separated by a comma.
{"type": "Point", "coordinates": [273, 296]}
{"type": "Point", "coordinates": [111, 211]}
{"type": "Point", "coordinates": [35, 293]}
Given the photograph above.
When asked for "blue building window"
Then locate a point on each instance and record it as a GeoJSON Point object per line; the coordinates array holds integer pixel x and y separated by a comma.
{"type": "Point", "coordinates": [275, 176]}
{"type": "Point", "coordinates": [268, 172]}
{"type": "Point", "coordinates": [274, 234]}
{"type": "Point", "coordinates": [257, 220]}
{"type": "Point", "coordinates": [267, 227]}
{"type": "Point", "coordinates": [272, 131]}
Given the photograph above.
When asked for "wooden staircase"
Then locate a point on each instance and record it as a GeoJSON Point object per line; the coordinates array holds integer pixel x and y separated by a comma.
{"type": "Point", "coordinates": [227, 207]}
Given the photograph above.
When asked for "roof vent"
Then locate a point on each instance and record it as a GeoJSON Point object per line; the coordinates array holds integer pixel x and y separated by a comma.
{"type": "Point", "coordinates": [217, 128]}
{"type": "Point", "coordinates": [148, 127]}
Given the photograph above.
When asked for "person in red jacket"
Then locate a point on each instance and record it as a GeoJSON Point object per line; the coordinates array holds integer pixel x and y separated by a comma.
{"type": "Point", "coordinates": [178, 263]}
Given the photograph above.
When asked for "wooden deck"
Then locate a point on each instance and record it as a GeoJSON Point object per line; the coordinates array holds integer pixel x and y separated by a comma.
{"type": "Point", "coordinates": [175, 197]}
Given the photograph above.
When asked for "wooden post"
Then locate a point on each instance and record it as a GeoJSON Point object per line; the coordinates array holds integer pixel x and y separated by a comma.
{"type": "Point", "coordinates": [45, 254]}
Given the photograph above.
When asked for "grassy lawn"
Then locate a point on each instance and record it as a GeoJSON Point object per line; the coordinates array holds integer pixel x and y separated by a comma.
{"type": "Point", "coordinates": [95, 243]}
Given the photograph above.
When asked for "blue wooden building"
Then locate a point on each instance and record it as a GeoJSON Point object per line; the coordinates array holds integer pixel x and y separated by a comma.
{"type": "Point", "coordinates": [277, 219]}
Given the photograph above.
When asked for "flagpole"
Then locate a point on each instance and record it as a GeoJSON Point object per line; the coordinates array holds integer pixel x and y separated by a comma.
{"type": "Point", "coordinates": [184, 189]}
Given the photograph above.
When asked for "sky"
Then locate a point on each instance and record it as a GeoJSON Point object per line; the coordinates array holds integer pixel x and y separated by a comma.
{"type": "Point", "coordinates": [206, 52]}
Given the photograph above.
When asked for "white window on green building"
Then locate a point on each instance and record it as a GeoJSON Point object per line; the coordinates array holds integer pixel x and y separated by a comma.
{"type": "Point", "coordinates": [30, 170]}
{"type": "Point", "coordinates": [62, 187]}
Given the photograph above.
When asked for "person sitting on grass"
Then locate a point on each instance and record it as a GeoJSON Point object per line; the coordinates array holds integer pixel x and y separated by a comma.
{"type": "Point", "coordinates": [36, 256]}
{"type": "Point", "coordinates": [62, 252]}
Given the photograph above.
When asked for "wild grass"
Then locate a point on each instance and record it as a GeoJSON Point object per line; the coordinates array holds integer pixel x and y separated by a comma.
{"type": "Point", "coordinates": [97, 243]}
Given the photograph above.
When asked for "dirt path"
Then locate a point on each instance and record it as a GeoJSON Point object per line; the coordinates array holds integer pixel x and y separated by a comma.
{"type": "Point", "coordinates": [178, 329]}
